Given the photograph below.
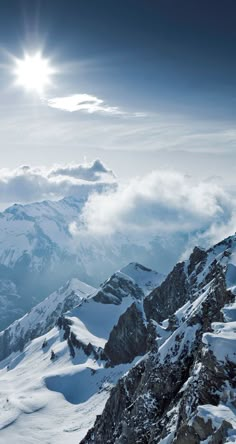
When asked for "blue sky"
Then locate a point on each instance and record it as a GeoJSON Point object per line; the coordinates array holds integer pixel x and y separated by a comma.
{"type": "Point", "coordinates": [137, 53]}
{"type": "Point", "coordinates": [168, 67]}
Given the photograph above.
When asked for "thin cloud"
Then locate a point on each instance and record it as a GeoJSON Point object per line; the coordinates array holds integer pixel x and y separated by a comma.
{"type": "Point", "coordinates": [89, 104]}
{"type": "Point", "coordinates": [83, 102]}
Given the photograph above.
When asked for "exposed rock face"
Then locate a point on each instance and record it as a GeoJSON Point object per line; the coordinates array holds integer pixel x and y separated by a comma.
{"type": "Point", "coordinates": [197, 260]}
{"type": "Point", "coordinates": [113, 291]}
{"type": "Point", "coordinates": [183, 390]}
{"type": "Point", "coordinates": [128, 338]}
{"type": "Point", "coordinates": [135, 332]}
{"type": "Point", "coordinates": [167, 298]}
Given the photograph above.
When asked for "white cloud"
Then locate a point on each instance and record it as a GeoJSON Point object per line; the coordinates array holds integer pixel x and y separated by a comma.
{"type": "Point", "coordinates": [27, 184]}
{"type": "Point", "coordinates": [93, 172]}
{"type": "Point", "coordinates": [83, 102]}
{"type": "Point", "coordinates": [164, 204]}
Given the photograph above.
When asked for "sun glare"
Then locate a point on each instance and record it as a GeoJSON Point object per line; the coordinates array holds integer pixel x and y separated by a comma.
{"type": "Point", "coordinates": [33, 72]}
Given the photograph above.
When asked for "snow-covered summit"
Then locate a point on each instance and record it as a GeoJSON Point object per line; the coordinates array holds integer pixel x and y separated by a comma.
{"type": "Point", "coordinates": [144, 277]}
{"type": "Point", "coordinates": [133, 280]}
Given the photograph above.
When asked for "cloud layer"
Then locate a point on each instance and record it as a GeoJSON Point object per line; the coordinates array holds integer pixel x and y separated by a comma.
{"type": "Point", "coordinates": [162, 204]}
{"type": "Point", "coordinates": [163, 214]}
{"type": "Point", "coordinates": [27, 184]}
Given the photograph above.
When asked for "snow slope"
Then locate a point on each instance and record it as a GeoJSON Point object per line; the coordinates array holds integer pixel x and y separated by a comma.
{"type": "Point", "coordinates": [51, 401]}
{"type": "Point", "coordinates": [58, 400]}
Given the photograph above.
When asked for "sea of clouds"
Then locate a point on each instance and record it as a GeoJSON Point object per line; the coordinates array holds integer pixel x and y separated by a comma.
{"type": "Point", "coordinates": [166, 207]}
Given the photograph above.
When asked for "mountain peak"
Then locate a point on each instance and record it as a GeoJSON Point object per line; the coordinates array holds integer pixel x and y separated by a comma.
{"type": "Point", "coordinates": [146, 278]}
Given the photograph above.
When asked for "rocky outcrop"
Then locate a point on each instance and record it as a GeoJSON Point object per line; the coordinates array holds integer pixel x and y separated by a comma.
{"type": "Point", "coordinates": [134, 280]}
{"type": "Point", "coordinates": [116, 288]}
{"type": "Point", "coordinates": [128, 338]}
{"type": "Point", "coordinates": [74, 342]}
{"type": "Point", "coordinates": [167, 298]}
{"type": "Point", "coordinates": [197, 260]}
{"type": "Point", "coordinates": [135, 332]}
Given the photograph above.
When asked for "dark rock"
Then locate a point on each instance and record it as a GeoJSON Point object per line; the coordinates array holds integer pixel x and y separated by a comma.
{"type": "Point", "coordinates": [171, 295]}
{"type": "Point", "coordinates": [198, 257]}
{"type": "Point", "coordinates": [128, 338]}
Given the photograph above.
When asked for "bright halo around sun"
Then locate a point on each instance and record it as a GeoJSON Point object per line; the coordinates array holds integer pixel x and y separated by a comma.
{"type": "Point", "coordinates": [34, 72]}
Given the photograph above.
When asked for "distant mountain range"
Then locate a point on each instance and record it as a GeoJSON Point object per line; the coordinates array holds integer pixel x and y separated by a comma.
{"type": "Point", "coordinates": [39, 253]}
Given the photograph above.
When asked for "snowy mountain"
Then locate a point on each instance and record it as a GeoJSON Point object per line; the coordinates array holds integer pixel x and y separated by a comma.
{"type": "Point", "coordinates": [34, 257]}
{"type": "Point", "coordinates": [62, 377]}
{"type": "Point", "coordinates": [43, 316]}
{"type": "Point", "coordinates": [131, 282]}
{"type": "Point", "coordinates": [128, 365]}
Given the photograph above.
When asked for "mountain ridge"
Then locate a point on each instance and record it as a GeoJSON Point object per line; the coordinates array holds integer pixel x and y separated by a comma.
{"type": "Point", "coordinates": [44, 315]}
{"type": "Point", "coordinates": [183, 390]}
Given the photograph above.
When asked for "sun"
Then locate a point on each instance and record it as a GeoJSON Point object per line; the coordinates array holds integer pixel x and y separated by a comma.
{"type": "Point", "coordinates": [33, 72]}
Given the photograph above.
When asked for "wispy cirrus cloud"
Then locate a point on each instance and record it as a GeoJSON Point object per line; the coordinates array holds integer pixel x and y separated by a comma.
{"type": "Point", "coordinates": [83, 102]}
{"type": "Point", "coordinates": [89, 104]}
